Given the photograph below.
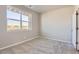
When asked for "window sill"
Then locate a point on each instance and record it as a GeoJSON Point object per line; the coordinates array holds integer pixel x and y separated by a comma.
{"type": "Point", "coordinates": [25, 30]}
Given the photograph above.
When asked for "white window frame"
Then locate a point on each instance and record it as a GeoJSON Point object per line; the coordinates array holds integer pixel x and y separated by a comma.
{"type": "Point", "coordinates": [21, 21]}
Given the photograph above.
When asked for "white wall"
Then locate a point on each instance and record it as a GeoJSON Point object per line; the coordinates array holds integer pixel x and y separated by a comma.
{"type": "Point", "coordinates": [8, 38]}
{"type": "Point", "coordinates": [56, 24]}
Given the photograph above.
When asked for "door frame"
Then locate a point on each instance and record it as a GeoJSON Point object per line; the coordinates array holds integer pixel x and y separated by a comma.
{"type": "Point", "coordinates": [77, 30]}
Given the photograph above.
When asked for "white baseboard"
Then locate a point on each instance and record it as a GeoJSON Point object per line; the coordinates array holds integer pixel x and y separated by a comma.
{"type": "Point", "coordinates": [19, 42]}
{"type": "Point", "coordinates": [47, 36]}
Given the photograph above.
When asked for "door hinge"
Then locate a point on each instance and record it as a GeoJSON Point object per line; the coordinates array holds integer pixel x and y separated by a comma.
{"type": "Point", "coordinates": [76, 42]}
{"type": "Point", "coordinates": [77, 28]}
{"type": "Point", "coordinates": [76, 13]}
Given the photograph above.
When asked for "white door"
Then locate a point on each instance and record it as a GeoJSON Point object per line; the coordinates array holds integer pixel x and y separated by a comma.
{"type": "Point", "coordinates": [74, 30]}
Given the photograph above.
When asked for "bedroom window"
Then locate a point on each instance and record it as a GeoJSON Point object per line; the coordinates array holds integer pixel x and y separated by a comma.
{"type": "Point", "coordinates": [17, 20]}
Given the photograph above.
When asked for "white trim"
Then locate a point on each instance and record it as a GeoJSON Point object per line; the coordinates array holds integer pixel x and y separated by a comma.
{"type": "Point", "coordinates": [58, 40]}
{"type": "Point", "coordinates": [19, 43]}
{"type": "Point", "coordinates": [47, 36]}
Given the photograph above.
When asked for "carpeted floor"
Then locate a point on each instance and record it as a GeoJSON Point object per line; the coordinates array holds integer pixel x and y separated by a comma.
{"type": "Point", "coordinates": [41, 46]}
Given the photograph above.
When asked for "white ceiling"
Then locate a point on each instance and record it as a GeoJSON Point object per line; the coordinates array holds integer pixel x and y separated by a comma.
{"type": "Point", "coordinates": [45, 8]}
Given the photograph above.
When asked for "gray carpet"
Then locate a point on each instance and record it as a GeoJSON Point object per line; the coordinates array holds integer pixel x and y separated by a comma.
{"type": "Point", "coordinates": [41, 46]}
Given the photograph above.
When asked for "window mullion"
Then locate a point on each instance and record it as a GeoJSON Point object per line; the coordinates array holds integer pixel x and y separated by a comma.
{"type": "Point", "coordinates": [21, 20]}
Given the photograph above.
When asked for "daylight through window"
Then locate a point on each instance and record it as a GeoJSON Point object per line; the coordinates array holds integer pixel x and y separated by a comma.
{"type": "Point", "coordinates": [17, 20]}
